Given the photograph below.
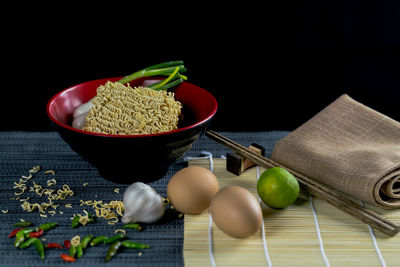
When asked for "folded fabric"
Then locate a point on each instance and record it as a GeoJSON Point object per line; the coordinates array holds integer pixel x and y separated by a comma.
{"type": "Point", "coordinates": [350, 147]}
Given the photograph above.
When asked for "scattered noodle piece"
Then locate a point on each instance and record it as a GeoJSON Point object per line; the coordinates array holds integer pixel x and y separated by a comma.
{"type": "Point", "coordinates": [106, 210]}
{"type": "Point", "coordinates": [83, 219]}
{"type": "Point", "coordinates": [50, 194]}
{"type": "Point", "coordinates": [68, 205]}
{"type": "Point", "coordinates": [41, 207]}
{"type": "Point", "coordinates": [85, 184]}
{"type": "Point", "coordinates": [21, 186]}
{"type": "Point", "coordinates": [50, 171]}
{"type": "Point", "coordinates": [63, 194]}
{"type": "Point", "coordinates": [116, 190]}
{"type": "Point", "coordinates": [36, 188]}
{"type": "Point", "coordinates": [27, 178]}
{"type": "Point", "coordinates": [51, 182]}
{"type": "Point", "coordinates": [120, 231]}
{"type": "Point", "coordinates": [5, 211]}
{"type": "Point", "coordinates": [112, 220]}
{"type": "Point", "coordinates": [75, 241]}
{"type": "Point", "coordinates": [34, 169]}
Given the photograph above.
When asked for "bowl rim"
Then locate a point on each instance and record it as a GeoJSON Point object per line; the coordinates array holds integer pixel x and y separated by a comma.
{"type": "Point", "coordinates": [63, 125]}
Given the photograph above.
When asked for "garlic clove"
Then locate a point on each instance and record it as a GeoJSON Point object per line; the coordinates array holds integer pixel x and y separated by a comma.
{"type": "Point", "coordinates": [85, 107]}
{"type": "Point", "coordinates": [79, 121]}
{"type": "Point", "coordinates": [142, 204]}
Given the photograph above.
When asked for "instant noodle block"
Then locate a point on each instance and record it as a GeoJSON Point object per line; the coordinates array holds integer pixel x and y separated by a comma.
{"type": "Point", "coordinates": [131, 158]}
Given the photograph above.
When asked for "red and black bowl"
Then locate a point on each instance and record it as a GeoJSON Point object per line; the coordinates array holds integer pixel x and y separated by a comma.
{"type": "Point", "coordinates": [131, 158]}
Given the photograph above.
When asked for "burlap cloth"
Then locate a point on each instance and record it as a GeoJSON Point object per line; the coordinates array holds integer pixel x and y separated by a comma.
{"type": "Point", "coordinates": [351, 148]}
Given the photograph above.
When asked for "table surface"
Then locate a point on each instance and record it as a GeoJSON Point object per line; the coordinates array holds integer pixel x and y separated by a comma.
{"type": "Point", "coordinates": [20, 151]}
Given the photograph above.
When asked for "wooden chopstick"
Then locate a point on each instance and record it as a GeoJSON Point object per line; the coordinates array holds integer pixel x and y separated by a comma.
{"type": "Point", "coordinates": [320, 190]}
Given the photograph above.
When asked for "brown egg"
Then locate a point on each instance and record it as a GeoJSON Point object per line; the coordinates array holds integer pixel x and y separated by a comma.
{"type": "Point", "coordinates": [236, 212]}
{"type": "Point", "coordinates": [191, 189]}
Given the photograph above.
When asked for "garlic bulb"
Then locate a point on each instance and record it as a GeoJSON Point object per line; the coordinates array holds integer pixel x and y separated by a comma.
{"type": "Point", "coordinates": [80, 113]}
{"type": "Point", "coordinates": [142, 204]}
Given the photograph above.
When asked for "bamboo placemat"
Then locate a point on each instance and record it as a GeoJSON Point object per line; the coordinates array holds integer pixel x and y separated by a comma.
{"type": "Point", "coordinates": [310, 232]}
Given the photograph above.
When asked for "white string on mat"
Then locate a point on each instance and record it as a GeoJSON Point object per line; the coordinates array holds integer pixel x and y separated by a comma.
{"type": "Point", "coordinates": [204, 155]}
{"type": "Point", "coordinates": [372, 234]}
{"type": "Point", "coordinates": [321, 244]}
{"type": "Point", "coordinates": [208, 155]}
{"type": "Point", "coordinates": [210, 239]}
{"type": "Point", "coordinates": [266, 252]}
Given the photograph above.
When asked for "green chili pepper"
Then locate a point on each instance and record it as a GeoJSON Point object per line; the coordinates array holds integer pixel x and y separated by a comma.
{"type": "Point", "coordinates": [117, 237]}
{"type": "Point", "coordinates": [98, 240]}
{"type": "Point", "coordinates": [72, 251]}
{"type": "Point", "coordinates": [79, 251]}
{"type": "Point", "coordinates": [112, 250]}
{"type": "Point", "coordinates": [75, 222]}
{"type": "Point", "coordinates": [135, 226]}
{"type": "Point", "coordinates": [47, 226]}
{"type": "Point", "coordinates": [39, 248]}
{"type": "Point", "coordinates": [131, 244]}
{"type": "Point", "coordinates": [27, 243]}
{"type": "Point", "coordinates": [22, 224]}
{"type": "Point", "coordinates": [20, 236]}
{"type": "Point", "coordinates": [86, 240]}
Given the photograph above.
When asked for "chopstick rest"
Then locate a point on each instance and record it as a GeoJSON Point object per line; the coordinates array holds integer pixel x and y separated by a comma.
{"type": "Point", "coordinates": [237, 164]}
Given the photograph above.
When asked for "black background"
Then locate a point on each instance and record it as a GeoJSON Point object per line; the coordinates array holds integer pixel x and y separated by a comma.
{"type": "Point", "coordinates": [270, 66]}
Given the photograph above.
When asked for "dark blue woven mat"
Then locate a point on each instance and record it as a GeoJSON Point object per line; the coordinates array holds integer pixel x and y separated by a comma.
{"type": "Point", "coordinates": [20, 151]}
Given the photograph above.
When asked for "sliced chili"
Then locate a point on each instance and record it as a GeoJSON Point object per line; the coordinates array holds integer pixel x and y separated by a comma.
{"type": "Point", "coordinates": [28, 243]}
{"type": "Point", "coordinates": [67, 244]}
{"type": "Point", "coordinates": [47, 226]}
{"type": "Point", "coordinates": [20, 236]}
{"type": "Point", "coordinates": [22, 224]}
{"type": "Point", "coordinates": [86, 240]}
{"type": "Point", "coordinates": [116, 237]}
{"type": "Point", "coordinates": [36, 234]}
{"type": "Point", "coordinates": [39, 248]}
{"type": "Point", "coordinates": [13, 233]}
{"type": "Point", "coordinates": [72, 251]}
{"type": "Point", "coordinates": [135, 226]}
{"type": "Point", "coordinates": [113, 250]}
{"type": "Point", "coordinates": [97, 240]}
{"type": "Point", "coordinates": [67, 258]}
{"type": "Point", "coordinates": [53, 245]}
{"type": "Point", "coordinates": [75, 222]}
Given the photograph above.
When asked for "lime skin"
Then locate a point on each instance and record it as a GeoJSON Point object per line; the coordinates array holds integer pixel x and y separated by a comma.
{"type": "Point", "coordinates": [277, 188]}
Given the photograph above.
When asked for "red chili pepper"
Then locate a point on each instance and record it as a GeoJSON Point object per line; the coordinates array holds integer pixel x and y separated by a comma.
{"type": "Point", "coordinates": [67, 258]}
{"type": "Point", "coordinates": [13, 233]}
{"type": "Point", "coordinates": [36, 234]}
{"type": "Point", "coordinates": [53, 245]}
{"type": "Point", "coordinates": [67, 244]}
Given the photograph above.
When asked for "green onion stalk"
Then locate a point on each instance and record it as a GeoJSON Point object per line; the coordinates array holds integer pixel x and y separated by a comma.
{"type": "Point", "coordinates": [172, 70]}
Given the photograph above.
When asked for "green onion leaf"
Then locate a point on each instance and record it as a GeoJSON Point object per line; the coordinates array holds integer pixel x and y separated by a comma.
{"type": "Point", "coordinates": [170, 84]}
{"type": "Point", "coordinates": [165, 64]}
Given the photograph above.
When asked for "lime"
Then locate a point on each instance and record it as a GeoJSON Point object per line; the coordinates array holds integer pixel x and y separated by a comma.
{"type": "Point", "coordinates": [277, 188]}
